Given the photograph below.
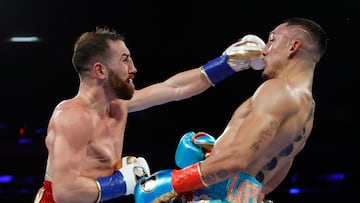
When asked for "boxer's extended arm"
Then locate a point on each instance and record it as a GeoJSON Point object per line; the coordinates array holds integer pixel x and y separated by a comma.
{"type": "Point", "coordinates": [123, 181]}
{"type": "Point", "coordinates": [239, 56]}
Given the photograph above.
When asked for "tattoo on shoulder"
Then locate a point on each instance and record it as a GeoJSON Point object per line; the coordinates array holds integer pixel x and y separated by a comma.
{"type": "Point", "coordinates": [273, 126]}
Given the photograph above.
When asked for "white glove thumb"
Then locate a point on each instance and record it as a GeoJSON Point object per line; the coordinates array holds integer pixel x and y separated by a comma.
{"type": "Point", "coordinates": [141, 168]}
{"type": "Point", "coordinates": [132, 170]}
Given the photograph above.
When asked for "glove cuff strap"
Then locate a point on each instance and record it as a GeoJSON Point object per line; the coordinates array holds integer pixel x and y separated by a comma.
{"type": "Point", "coordinates": [99, 195]}
{"type": "Point", "coordinates": [188, 179]}
{"type": "Point", "coordinates": [217, 69]}
{"type": "Point", "coordinates": [111, 186]}
{"type": "Point", "coordinates": [202, 71]}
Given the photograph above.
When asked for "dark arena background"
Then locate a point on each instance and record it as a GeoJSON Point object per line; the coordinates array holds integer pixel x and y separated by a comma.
{"type": "Point", "coordinates": [166, 37]}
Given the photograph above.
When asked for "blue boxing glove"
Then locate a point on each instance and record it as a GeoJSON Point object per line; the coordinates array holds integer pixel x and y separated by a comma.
{"type": "Point", "coordinates": [193, 148]}
{"type": "Point", "coordinates": [166, 185]}
{"type": "Point", "coordinates": [123, 181]}
{"type": "Point", "coordinates": [244, 54]}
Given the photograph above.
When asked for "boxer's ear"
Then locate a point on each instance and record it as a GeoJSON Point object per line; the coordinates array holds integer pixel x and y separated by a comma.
{"type": "Point", "coordinates": [294, 47]}
{"type": "Point", "coordinates": [99, 70]}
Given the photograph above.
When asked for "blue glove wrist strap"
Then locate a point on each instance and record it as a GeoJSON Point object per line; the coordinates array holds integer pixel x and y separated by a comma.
{"type": "Point", "coordinates": [112, 186]}
{"type": "Point", "coordinates": [218, 69]}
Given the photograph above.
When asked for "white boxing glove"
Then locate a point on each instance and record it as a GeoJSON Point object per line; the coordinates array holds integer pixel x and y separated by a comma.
{"type": "Point", "coordinates": [239, 56]}
{"type": "Point", "coordinates": [246, 53]}
{"type": "Point", "coordinates": [124, 178]}
{"type": "Point", "coordinates": [133, 169]}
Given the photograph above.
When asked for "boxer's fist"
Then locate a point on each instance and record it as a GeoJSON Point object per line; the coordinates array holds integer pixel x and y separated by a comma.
{"type": "Point", "coordinates": [193, 148]}
{"type": "Point", "coordinates": [155, 189]}
{"type": "Point", "coordinates": [123, 180]}
{"type": "Point", "coordinates": [246, 53]}
{"type": "Point", "coordinates": [166, 185]}
{"type": "Point", "coordinates": [133, 169]}
{"type": "Point", "coordinates": [239, 56]}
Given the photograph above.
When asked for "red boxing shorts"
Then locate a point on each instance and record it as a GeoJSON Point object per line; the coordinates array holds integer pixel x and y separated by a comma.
{"type": "Point", "coordinates": [44, 195]}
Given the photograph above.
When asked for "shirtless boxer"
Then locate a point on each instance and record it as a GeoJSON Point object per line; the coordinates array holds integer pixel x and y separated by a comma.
{"type": "Point", "coordinates": [255, 151]}
{"type": "Point", "coordinates": [85, 133]}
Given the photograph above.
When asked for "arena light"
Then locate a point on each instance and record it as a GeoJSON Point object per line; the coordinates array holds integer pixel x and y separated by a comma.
{"type": "Point", "coordinates": [333, 177]}
{"type": "Point", "coordinates": [27, 140]}
{"type": "Point", "coordinates": [294, 191]}
{"type": "Point", "coordinates": [297, 191]}
{"type": "Point", "coordinates": [24, 39]}
{"type": "Point", "coordinates": [5, 178]}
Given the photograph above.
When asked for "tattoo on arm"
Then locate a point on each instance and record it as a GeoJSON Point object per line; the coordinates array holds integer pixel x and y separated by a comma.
{"type": "Point", "coordinates": [212, 178]}
{"type": "Point", "coordinates": [273, 126]}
